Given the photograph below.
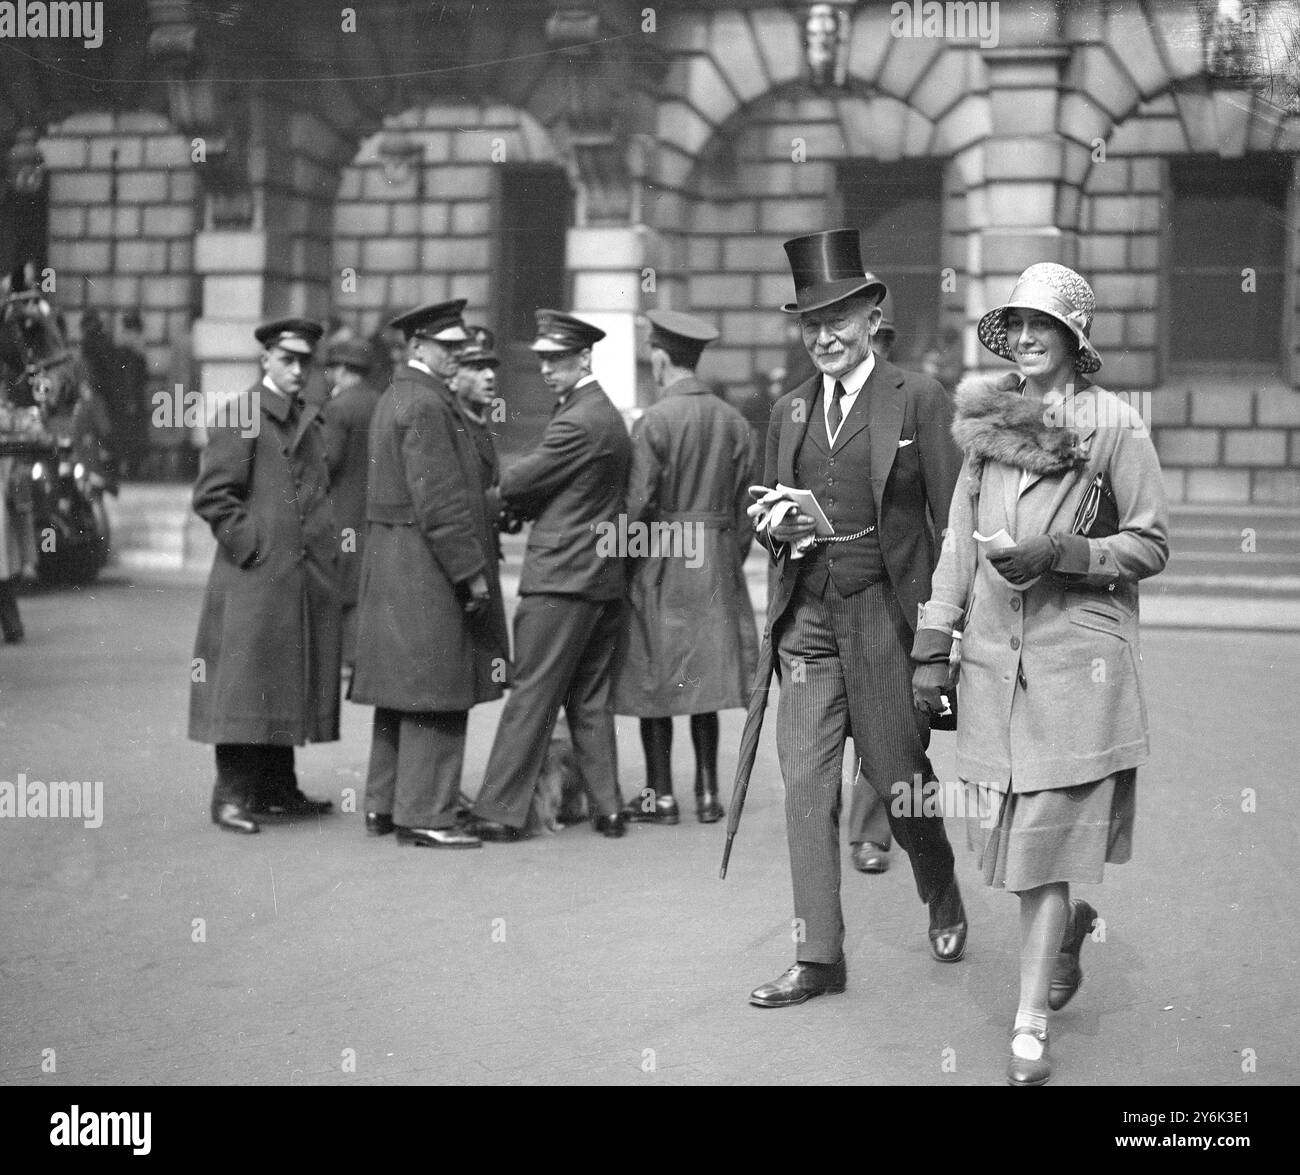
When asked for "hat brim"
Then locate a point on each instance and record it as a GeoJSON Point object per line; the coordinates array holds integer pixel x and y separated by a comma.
{"type": "Point", "coordinates": [551, 347]}
{"type": "Point", "coordinates": [825, 294]}
{"type": "Point", "coordinates": [294, 344]}
{"type": "Point", "coordinates": [992, 332]}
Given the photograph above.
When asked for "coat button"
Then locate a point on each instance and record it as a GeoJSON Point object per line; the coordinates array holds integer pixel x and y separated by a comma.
{"type": "Point", "coordinates": [832, 461]}
{"type": "Point", "coordinates": [1015, 603]}
{"type": "Point", "coordinates": [1015, 642]}
{"type": "Point", "coordinates": [830, 481]}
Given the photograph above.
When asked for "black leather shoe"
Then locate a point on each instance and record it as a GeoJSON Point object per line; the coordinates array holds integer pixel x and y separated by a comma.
{"type": "Point", "coordinates": [869, 857]}
{"type": "Point", "coordinates": [800, 983]}
{"type": "Point", "coordinates": [379, 823]}
{"type": "Point", "coordinates": [1067, 975]}
{"type": "Point", "coordinates": [611, 826]}
{"type": "Point", "coordinates": [707, 808]}
{"type": "Point", "coordinates": [233, 818]}
{"type": "Point", "coordinates": [493, 831]}
{"type": "Point", "coordinates": [437, 838]}
{"type": "Point", "coordinates": [1026, 1072]}
{"type": "Point", "coordinates": [294, 803]}
{"type": "Point", "coordinates": [948, 924]}
{"type": "Point", "coordinates": [664, 811]}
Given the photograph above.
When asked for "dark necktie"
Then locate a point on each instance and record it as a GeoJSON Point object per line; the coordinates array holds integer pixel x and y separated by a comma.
{"type": "Point", "coordinates": [836, 413]}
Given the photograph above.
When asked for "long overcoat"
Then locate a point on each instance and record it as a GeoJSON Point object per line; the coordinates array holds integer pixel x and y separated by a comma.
{"type": "Point", "coordinates": [430, 535]}
{"type": "Point", "coordinates": [267, 653]}
{"type": "Point", "coordinates": [689, 642]}
{"type": "Point", "coordinates": [347, 451]}
{"type": "Point", "coordinates": [1050, 691]}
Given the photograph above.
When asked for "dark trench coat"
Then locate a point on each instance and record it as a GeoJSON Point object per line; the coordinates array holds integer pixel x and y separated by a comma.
{"type": "Point", "coordinates": [267, 652]}
{"type": "Point", "coordinates": [430, 535]}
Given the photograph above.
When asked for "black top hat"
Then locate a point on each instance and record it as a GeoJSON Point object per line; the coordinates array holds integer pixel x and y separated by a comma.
{"type": "Point", "coordinates": [827, 268]}
{"type": "Point", "coordinates": [560, 333]}
{"type": "Point", "coordinates": [681, 335]}
{"type": "Point", "coordinates": [299, 335]}
{"type": "Point", "coordinates": [439, 321]}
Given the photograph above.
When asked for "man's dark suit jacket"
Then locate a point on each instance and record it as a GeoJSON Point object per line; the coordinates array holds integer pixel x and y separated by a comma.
{"type": "Point", "coordinates": [573, 487]}
{"type": "Point", "coordinates": [914, 469]}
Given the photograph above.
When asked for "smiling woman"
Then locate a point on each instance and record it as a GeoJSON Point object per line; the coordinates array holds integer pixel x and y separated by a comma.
{"type": "Point", "coordinates": [1069, 472]}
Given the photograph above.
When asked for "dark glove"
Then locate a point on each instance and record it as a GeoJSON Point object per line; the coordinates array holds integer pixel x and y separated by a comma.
{"type": "Point", "coordinates": [928, 683]}
{"type": "Point", "coordinates": [477, 597]}
{"type": "Point", "coordinates": [508, 522]}
{"type": "Point", "coordinates": [793, 527]}
{"type": "Point", "coordinates": [1025, 561]}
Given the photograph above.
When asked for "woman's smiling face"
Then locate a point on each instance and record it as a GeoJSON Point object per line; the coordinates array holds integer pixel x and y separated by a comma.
{"type": "Point", "coordinates": [1043, 348]}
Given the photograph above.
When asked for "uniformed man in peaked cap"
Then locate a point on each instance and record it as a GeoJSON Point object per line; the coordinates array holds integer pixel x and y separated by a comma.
{"type": "Point", "coordinates": [689, 641]}
{"type": "Point", "coordinates": [571, 590]}
{"type": "Point", "coordinates": [431, 632]}
{"type": "Point", "coordinates": [267, 652]}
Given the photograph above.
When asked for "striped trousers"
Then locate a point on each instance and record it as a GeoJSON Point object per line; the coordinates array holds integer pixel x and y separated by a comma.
{"type": "Point", "coordinates": [845, 670]}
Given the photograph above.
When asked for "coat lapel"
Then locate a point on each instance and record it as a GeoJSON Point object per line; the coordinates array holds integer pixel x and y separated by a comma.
{"type": "Point", "coordinates": [803, 405]}
{"type": "Point", "coordinates": [886, 410]}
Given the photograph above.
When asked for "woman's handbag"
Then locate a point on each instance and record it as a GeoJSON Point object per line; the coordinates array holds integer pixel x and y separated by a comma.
{"type": "Point", "coordinates": [1098, 514]}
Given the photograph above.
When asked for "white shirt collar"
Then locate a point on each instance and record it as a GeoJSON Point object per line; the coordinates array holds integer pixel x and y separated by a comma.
{"type": "Point", "coordinates": [853, 383]}
{"type": "Point", "coordinates": [421, 367]}
{"type": "Point", "coordinates": [586, 379]}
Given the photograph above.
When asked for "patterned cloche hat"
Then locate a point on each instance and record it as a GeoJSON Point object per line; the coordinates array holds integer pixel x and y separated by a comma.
{"type": "Point", "coordinates": [1054, 290]}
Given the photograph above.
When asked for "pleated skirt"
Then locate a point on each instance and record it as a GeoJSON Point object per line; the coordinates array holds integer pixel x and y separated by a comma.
{"type": "Point", "coordinates": [1059, 834]}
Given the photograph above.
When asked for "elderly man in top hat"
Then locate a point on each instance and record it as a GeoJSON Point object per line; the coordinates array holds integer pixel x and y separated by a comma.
{"type": "Point", "coordinates": [347, 452]}
{"type": "Point", "coordinates": [689, 640]}
{"type": "Point", "coordinates": [873, 444]}
{"type": "Point", "coordinates": [571, 589]}
{"type": "Point", "coordinates": [266, 659]}
{"type": "Point", "coordinates": [431, 635]}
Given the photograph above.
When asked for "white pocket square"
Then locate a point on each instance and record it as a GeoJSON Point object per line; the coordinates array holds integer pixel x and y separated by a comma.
{"type": "Point", "coordinates": [909, 441]}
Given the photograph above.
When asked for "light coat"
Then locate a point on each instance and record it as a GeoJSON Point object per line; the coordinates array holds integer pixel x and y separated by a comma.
{"type": "Point", "coordinates": [1050, 691]}
{"type": "Point", "coordinates": [689, 642]}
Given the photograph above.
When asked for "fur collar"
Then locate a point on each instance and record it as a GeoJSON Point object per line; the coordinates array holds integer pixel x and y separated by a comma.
{"type": "Point", "coordinates": [993, 422]}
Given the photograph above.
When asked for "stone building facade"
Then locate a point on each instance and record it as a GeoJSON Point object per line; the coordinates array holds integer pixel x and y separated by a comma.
{"type": "Point", "coordinates": [620, 156]}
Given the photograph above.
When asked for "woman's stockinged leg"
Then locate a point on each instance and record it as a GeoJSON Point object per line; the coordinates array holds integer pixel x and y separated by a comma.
{"type": "Point", "coordinates": [1043, 914]}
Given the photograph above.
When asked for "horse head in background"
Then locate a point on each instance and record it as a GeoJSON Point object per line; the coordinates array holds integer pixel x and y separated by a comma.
{"type": "Point", "coordinates": [38, 364]}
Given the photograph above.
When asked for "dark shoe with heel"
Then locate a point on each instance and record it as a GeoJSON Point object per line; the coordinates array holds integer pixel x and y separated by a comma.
{"type": "Point", "coordinates": [1067, 976]}
{"type": "Point", "coordinates": [869, 857]}
{"type": "Point", "coordinates": [379, 823]}
{"type": "Point", "coordinates": [611, 826]}
{"type": "Point", "coordinates": [948, 924]}
{"type": "Point", "coordinates": [231, 817]}
{"type": "Point", "coordinates": [437, 838]}
{"type": "Point", "coordinates": [801, 983]}
{"type": "Point", "coordinates": [1026, 1071]}
{"type": "Point", "coordinates": [663, 811]}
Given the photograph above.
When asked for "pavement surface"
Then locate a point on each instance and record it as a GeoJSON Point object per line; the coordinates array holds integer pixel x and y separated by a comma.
{"type": "Point", "coordinates": [156, 950]}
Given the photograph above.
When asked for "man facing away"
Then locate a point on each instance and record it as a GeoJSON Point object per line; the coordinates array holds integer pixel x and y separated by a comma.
{"type": "Point", "coordinates": [689, 641]}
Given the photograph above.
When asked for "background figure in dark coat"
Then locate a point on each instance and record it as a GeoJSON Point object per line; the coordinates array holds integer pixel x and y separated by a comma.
{"type": "Point", "coordinates": [266, 675]}
{"type": "Point", "coordinates": [131, 412]}
{"type": "Point", "coordinates": [475, 385]}
{"type": "Point", "coordinates": [347, 452]}
{"type": "Point", "coordinates": [689, 641]}
{"type": "Point", "coordinates": [571, 590]}
{"type": "Point", "coordinates": [873, 443]}
{"type": "Point", "coordinates": [431, 633]}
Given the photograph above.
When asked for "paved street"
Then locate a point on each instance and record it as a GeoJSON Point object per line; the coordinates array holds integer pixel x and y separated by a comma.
{"type": "Point", "coordinates": [574, 958]}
